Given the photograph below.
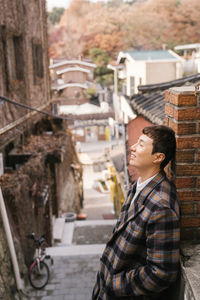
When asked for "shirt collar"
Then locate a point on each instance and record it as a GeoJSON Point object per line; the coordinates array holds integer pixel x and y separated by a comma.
{"type": "Point", "coordinates": [141, 185]}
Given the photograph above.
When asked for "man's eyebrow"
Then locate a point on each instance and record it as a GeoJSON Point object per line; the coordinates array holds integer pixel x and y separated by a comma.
{"type": "Point", "coordinates": [140, 140]}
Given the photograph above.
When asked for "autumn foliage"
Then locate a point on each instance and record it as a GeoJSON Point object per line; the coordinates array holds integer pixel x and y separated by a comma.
{"type": "Point", "coordinates": [149, 24]}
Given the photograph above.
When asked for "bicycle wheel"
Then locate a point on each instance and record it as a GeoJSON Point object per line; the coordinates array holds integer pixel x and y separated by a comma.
{"type": "Point", "coordinates": [39, 276]}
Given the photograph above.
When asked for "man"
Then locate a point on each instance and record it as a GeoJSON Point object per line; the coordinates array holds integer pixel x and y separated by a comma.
{"type": "Point", "coordinates": [141, 259]}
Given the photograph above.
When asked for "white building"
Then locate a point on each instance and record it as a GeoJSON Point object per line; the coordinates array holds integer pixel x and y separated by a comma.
{"type": "Point", "coordinates": [148, 67]}
{"type": "Point", "coordinates": [191, 53]}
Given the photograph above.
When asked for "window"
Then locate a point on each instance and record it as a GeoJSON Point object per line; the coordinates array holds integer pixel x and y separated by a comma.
{"type": "Point", "coordinates": [88, 131]}
{"type": "Point", "coordinates": [132, 85]}
{"type": "Point", "coordinates": [19, 57]}
{"type": "Point", "coordinates": [1, 164]}
{"type": "Point", "coordinates": [101, 130]}
{"type": "Point", "coordinates": [37, 53]}
{"type": "Point", "coordinates": [80, 132]}
{"type": "Point", "coordinates": [124, 88]}
{"type": "Point", "coordinates": [4, 57]}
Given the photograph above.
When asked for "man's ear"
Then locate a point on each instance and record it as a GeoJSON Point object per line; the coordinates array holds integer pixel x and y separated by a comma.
{"type": "Point", "coordinates": [158, 158]}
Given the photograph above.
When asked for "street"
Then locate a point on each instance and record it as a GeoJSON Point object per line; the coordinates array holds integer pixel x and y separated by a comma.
{"type": "Point", "coordinates": [76, 257]}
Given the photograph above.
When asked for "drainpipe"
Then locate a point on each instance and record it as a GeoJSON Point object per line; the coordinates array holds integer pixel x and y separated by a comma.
{"type": "Point", "coordinates": [126, 177]}
{"type": "Point", "coordinates": [10, 243]}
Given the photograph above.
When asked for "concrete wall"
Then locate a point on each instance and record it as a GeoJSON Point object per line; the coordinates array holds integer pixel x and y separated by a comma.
{"type": "Point", "coordinates": [150, 72]}
{"type": "Point", "coordinates": [136, 70]}
{"type": "Point", "coordinates": [157, 72]}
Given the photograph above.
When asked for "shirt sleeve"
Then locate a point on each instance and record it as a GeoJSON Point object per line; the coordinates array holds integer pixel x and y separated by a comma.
{"type": "Point", "coordinates": [162, 263]}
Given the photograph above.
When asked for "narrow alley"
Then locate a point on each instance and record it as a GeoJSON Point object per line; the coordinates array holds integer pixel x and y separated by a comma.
{"type": "Point", "coordinates": [76, 255]}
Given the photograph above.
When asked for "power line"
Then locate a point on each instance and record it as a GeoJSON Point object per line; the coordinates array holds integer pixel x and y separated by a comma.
{"type": "Point", "coordinates": [2, 99]}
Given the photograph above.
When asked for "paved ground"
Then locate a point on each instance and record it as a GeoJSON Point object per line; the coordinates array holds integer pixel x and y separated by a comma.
{"type": "Point", "coordinates": [72, 278]}
{"type": "Point", "coordinates": [96, 204]}
{"type": "Point", "coordinates": [75, 265]}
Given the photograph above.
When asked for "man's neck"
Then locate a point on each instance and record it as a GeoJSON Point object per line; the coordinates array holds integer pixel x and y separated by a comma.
{"type": "Point", "coordinates": [144, 175]}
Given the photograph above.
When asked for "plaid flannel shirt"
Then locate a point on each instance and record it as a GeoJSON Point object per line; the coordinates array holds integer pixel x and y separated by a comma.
{"type": "Point", "coordinates": [142, 255]}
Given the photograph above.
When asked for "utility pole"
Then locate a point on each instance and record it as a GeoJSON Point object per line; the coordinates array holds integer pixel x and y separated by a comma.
{"type": "Point", "coordinates": [116, 99]}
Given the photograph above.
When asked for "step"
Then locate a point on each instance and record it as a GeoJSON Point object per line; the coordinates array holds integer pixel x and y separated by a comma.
{"type": "Point", "coordinates": [58, 228]}
{"type": "Point", "coordinates": [95, 222]}
{"type": "Point", "coordinates": [76, 250]}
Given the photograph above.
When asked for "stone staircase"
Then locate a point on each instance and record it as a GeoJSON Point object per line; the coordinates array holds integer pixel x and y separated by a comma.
{"type": "Point", "coordinates": [80, 237]}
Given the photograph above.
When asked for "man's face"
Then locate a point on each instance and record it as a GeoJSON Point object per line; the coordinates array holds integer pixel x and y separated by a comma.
{"type": "Point", "coordinates": [141, 153]}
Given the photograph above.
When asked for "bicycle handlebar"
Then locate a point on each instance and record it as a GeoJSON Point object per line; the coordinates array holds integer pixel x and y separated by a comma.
{"type": "Point", "coordinates": [38, 241]}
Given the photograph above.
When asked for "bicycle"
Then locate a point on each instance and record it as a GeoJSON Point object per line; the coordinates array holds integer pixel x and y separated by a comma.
{"type": "Point", "coordinates": [38, 271]}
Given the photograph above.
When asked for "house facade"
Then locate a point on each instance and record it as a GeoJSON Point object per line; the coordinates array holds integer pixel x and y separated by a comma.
{"type": "Point", "coordinates": [148, 67]}
{"type": "Point", "coordinates": [191, 54]}
{"type": "Point", "coordinates": [70, 78]}
{"type": "Point", "coordinates": [89, 123]}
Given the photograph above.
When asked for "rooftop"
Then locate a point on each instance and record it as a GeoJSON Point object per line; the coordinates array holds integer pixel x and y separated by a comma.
{"type": "Point", "coordinates": [71, 62]}
{"type": "Point", "coordinates": [151, 55]}
{"type": "Point", "coordinates": [150, 102]}
{"type": "Point", "coordinates": [187, 46]}
{"type": "Point", "coordinates": [86, 108]}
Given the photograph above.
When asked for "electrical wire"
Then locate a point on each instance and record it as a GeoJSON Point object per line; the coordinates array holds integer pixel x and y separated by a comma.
{"type": "Point", "coordinates": [2, 98]}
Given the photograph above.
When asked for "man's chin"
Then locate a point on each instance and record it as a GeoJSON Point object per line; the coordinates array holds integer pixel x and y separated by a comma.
{"type": "Point", "coordinates": [132, 163]}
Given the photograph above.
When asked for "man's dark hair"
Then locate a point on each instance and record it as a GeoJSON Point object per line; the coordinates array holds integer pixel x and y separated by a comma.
{"type": "Point", "coordinates": [163, 141]}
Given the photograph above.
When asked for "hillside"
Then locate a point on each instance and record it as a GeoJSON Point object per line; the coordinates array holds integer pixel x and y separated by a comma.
{"type": "Point", "coordinates": [150, 24]}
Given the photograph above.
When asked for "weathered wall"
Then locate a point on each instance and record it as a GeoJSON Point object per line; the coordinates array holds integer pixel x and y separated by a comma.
{"type": "Point", "coordinates": [75, 76]}
{"type": "Point", "coordinates": [24, 74]}
{"type": "Point", "coordinates": [54, 164]}
{"type": "Point", "coordinates": [7, 291]}
{"type": "Point", "coordinates": [69, 180]}
{"type": "Point", "coordinates": [24, 77]}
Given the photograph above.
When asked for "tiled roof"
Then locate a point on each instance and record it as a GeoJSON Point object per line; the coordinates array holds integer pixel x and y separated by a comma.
{"type": "Point", "coordinates": [150, 102]}
{"type": "Point", "coordinates": [152, 55]}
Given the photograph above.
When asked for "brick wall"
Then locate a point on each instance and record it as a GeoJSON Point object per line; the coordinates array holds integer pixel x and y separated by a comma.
{"type": "Point", "coordinates": [182, 114]}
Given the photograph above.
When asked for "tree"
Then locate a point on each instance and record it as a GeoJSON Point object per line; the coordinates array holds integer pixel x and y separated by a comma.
{"type": "Point", "coordinates": [102, 74]}
{"type": "Point", "coordinates": [130, 24]}
{"type": "Point", "coordinates": [55, 15]}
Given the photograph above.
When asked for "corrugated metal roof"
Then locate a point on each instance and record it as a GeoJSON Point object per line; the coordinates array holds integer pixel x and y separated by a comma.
{"type": "Point", "coordinates": [152, 55]}
{"type": "Point", "coordinates": [150, 102]}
